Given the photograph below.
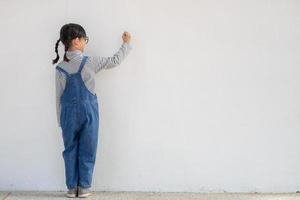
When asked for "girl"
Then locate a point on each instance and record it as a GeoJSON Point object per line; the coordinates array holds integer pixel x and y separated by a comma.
{"type": "Point", "coordinates": [77, 104]}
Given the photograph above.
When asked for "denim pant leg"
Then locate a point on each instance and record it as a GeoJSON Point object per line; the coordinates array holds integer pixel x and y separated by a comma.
{"type": "Point", "coordinates": [70, 153]}
{"type": "Point", "coordinates": [88, 140]}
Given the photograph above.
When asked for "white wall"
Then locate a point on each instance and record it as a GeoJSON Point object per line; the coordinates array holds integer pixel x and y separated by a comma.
{"type": "Point", "coordinates": [207, 101]}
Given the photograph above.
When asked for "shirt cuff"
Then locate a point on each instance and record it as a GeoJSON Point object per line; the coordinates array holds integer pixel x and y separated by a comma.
{"type": "Point", "coordinates": [128, 45]}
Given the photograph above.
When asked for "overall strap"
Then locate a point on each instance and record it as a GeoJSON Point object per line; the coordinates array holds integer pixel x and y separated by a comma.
{"type": "Point", "coordinates": [62, 70]}
{"type": "Point", "coordinates": [82, 63]}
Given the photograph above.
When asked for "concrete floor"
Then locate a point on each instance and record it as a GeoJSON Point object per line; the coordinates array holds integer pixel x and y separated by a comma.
{"type": "Point", "coordinates": [19, 195]}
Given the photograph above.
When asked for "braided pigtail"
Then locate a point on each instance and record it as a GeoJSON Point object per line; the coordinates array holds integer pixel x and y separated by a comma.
{"type": "Point", "coordinates": [56, 51]}
{"type": "Point", "coordinates": [65, 56]}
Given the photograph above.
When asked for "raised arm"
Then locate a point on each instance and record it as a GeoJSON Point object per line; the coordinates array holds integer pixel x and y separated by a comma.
{"type": "Point", "coordinates": [100, 63]}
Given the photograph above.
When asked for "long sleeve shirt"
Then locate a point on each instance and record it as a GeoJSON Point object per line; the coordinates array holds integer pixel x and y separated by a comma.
{"type": "Point", "coordinates": [92, 66]}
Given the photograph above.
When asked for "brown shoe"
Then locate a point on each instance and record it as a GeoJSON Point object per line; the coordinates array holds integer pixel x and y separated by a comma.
{"type": "Point", "coordinates": [84, 192]}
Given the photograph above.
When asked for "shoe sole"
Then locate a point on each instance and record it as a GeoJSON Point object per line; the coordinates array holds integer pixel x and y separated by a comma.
{"type": "Point", "coordinates": [84, 195]}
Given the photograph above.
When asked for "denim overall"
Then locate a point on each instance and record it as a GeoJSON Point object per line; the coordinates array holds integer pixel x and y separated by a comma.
{"type": "Point", "coordinates": [79, 119]}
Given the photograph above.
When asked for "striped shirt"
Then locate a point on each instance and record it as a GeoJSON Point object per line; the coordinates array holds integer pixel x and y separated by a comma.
{"type": "Point", "coordinates": [92, 66]}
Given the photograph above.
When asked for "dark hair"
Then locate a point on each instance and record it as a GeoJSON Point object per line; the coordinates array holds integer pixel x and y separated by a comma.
{"type": "Point", "coordinates": [68, 32]}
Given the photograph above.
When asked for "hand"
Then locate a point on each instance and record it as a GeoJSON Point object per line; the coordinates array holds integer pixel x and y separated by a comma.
{"type": "Point", "coordinates": [126, 37]}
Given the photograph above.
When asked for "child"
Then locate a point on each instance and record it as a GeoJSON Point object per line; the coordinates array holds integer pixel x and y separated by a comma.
{"type": "Point", "coordinates": [77, 104]}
